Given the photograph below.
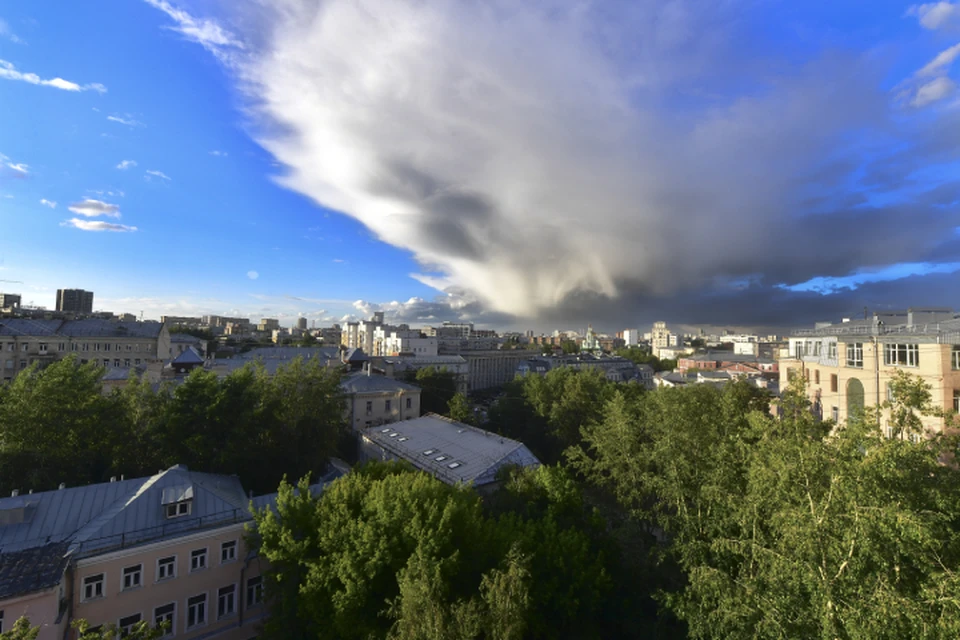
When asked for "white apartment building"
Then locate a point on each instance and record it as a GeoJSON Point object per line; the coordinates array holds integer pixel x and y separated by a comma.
{"type": "Point", "coordinates": [631, 337]}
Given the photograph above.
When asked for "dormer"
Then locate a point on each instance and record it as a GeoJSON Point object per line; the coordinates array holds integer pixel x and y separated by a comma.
{"type": "Point", "coordinates": [177, 501]}
{"type": "Point", "coordinates": [15, 510]}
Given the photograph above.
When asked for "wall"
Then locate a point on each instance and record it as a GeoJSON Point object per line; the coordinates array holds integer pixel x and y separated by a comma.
{"type": "Point", "coordinates": [356, 411]}
{"type": "Point", "coordinates": [41, 608]}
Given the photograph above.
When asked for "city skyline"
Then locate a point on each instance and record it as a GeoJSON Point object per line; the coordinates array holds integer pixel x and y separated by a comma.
{"type": "Point", "coordinates": [513, 166]}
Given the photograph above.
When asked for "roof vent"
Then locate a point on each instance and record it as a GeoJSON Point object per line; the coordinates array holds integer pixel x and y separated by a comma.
{"type": "Point", "coordinates": [113, 478]}
{"type": "Point", "coordinates": [63, 485]}
{"type": "Point", "coordinates": [15, 493]}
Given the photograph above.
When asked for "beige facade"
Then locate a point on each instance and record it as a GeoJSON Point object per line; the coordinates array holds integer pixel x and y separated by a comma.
{"type": "Point", "coordinates": [41, 608]}
{"type": "Point", "coordinates": [366, 409]}
{"type": "Point", "coordinates": [202, 582]}
{"type": "Point", "coordinates": [846, 373]}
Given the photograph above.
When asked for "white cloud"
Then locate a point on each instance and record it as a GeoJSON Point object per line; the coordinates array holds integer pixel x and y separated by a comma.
{"type": "Point", "coordinates": [9, 72]}
{"type": "Point", "coordinates": [19, 168]}
{"type": "Point", "coordinates": [48, 203]}
{"type": "Point", "coordinates": [157, 174]}
{"type": "Point", "coordinates": [5, 32]}
{"type": "Point", "coordinates": [933, 91]}
{"type": "Point", "coordinates": [339, 261]}
{"type": "Point", "coordinates": [96, 225]}
{"type": "Point", "coordinates": [253, 275]}
{"type": "Point", "coordinates": [935, 15]}
{"type": "Point", "coordinates": [942, 62]}
{"type": "Point", "coordinates": [126, 164]}
{"type": "Point", "coordinates": [93, 208]}
{"type": "Point", "coordinates": [126, 119]}
{"type": "Point", "coordinates": [204, 31]}
{"type": "Point", "coordinates": [220, 154]}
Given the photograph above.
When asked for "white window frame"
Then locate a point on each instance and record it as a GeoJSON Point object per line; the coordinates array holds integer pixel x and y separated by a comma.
{"type": "Point", "coordinates": [956, 400]}
{"type": "Point", "coordinates": [173, 618]}
{"type": "Point", "coordinates": [232, 598]}
{"type": "Point", "coordinates": [1, 620]}
{"type": "Point", "coordinates": [955, 357]}
{"type": "Point", "coordinates": [228, 545]}
{"type": "Point", "coordinates": [135, 570]}
{"type": "Point", "coordinates": [173, 573]}
{"type": "Point", "coordinates": [103, 587]}
{"type": "Point", "coordinates": [901, 354]}
{"type": "Point", "coordinates": [206, 616]}
{"type": "Point", "coordinates": [179, 509]}
{"type": "Point", "coordinates": [832, 350]}
{"type": "Point", "coordinates": [855, 355]}
{"type": "Point", "coordinates": [194, 555]}
{"type": "Point", "coordinates": [123, 630]}
{"type": "Point", "coordinates": [254, 591]}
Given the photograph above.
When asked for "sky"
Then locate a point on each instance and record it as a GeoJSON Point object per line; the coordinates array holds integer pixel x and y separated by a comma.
{"type": "Point", "coordinates": [533, 165]}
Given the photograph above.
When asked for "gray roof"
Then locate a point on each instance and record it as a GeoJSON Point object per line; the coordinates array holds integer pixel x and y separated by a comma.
{"type": "Point", "coordinates": [31, 570]}
{"type": "Point", "coordinates": [355, 355]}
{"type": "Point", "coordinates": [363, 383]}
{"type": "Point", "coordinates": [186, 338]}
{"type": "Point", "coordinates": [115, 374]}
{"type": "Point", "coordinates": [188, 356]}
{"type": "Point", "coordinates": [457, 452]}
{"type": "Point", "coordinates": [289, 353]}
{"type": "Point", "coordinates": [88, 328]}
{"type": "Point", "coordinates": [728, 356]}
{"type": "Point", "coordinates": [126, 512]}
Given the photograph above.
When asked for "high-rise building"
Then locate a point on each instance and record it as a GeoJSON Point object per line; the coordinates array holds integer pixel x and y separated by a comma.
{"type": "Point", "coordinates": [75, 300]}
{"type": "Point", "coordinates": [9, 300]}
{"type": "Point", "coordinates": [302, 324]}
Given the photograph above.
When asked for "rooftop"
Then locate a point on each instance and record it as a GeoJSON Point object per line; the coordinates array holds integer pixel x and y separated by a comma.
{"type": "Point", "coordinates": [87, 328]}
{"type": "Point", "coordinates": [363, 383]}
{"type": "Point", "coordinates": [451, 451]}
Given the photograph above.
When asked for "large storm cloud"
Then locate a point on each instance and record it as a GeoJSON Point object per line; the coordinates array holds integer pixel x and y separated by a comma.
{"type": "Point", "coordinates": [554, 157]}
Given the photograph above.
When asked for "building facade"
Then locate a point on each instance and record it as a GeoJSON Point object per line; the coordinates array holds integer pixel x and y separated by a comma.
{"type": "Point", "coordinates": [75, 300]}
{"type": "Point", "coordinates": [848, 366]}
{"type": "Point", "coordinates": [10, 300]}
{"type": "Point", "coordinates": [373, 400]}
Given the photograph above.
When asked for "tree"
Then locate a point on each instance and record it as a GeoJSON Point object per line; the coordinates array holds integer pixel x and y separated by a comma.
{"type": "Point", "coordinates": [22, 630]}
{"type": "Point", "coordinates": [569, 346]}
{"type": "Point", "coordinates": [459, 409]}
{"type": "Point", "coordinates": [438, 386]}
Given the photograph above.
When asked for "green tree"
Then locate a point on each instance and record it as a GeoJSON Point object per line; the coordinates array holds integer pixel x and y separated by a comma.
{"type": "Point", "coordinates": [21, 630]}
{"type": "Point", "coordinates": [569, 346]}
{"type": "Point", "coordinates": [140, 631]}
{"type": "Point", "coordinates": [459, 409]}
{"type": "Point", "coordinates": [438, 387]}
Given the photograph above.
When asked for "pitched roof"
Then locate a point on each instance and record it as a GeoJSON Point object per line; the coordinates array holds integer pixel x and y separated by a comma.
{"type": "Point", "coordinates": [362, 383]}
{"type": "Point", "coordinates": [28, 327]}
{"type": "Point", "coordinates": [451, 451]}
{"type": "Point", "coordinates": [355, 355]}
{"type": "Point", "coordinates": [97, 328]}
{"type": "Point", "coordinates": [188, 356]}
{"type": "Point", "coordinates": [31, 570]}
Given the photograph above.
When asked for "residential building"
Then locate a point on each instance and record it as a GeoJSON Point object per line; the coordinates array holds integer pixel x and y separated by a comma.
{"type": "Point", "coordinates": [220, 322]}
{"type": "Point", "coordinates": [729, 361]}
{"type": "Point", "coordinates": [106, 342]}
{"type": "Point", "coordinates": [10, 300]}
{"type": "Point", "coordinates": [394, 366]}
{"type": "Point", "coordinates": [453, 452]}
{"type": "Point", "coordinates": [165, 547]}
{"type": "Point", "coordinates": [615, 368]}
{"type": "Point", "coordinates": [659, 336]}
{"type": "Point", "coordinates": [849, 365]}
{"type": "Point", "coordinates": [75, 300]}
{"type": "Point", "coordinates": [268, 324]}
{"type": "Point", "coordinates": [181, 321]}
{"type": "Point", "coordinates": [672, 353]}
{"type": "Point", "coordinates": [393, 342]}
{"type": "Point", "coordinates": [373, 399]}
{"type": "Point", "coordinates": [489, 369]}
{"type": "Point", "coordinates": [302, 324]}
{"type": "Point", "coordinates": [631, 337]}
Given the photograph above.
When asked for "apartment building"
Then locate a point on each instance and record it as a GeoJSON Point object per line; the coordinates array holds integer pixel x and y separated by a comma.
{"type": "Point", "coordinates": [108, 343]}
{"type": "Point", "coordinates": [75, 300]}
{"type": "Point", "coordinates": [848, 366]}
{"type": "Point", "coordinates": [168, 547]}
{"type": "Point", "coordinates": [373, 400]}
{"type": "Point", "coordinates": [10, 300]}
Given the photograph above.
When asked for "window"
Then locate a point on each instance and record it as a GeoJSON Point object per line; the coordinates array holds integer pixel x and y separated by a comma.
{"type": "Point", "coordinates": [24, 347]}
{"type": "Point", "coordinates": [136, 361]}
{"type": "Point", "coordinates": [93, 586]}
{"type": "Point", "coordinates": [888, 432]}
{"type": "Point", "coordinates": [126, 624]}
{"type": "Point", "coordinates": [166, 568]}
{"type": "Point", "coordinates": [890, 397]}
{"type": "Point", "coordinates": [816, 375]}
{"type": "Point", "coordinates": [956, 401]}
{"type": "Point", "coordinates": [386, 405]}
{"type": "Point", "coordinates": [832, 350]}
{"type": "Point", "coordinates": [106, 346]}
{"type": "Point", "coordinates": [226, 601]}
{"type": "Point", "coordinates": [409, 403]}
{"type": "Point", "coordinates": [126, 362]}
{"type": "Point", "coordinates": [228, 551]}
{"type": "Point", "coordinates": [955, 357]}
{"type": "Point", "coordinates": [799, 349]}
{"type": "Point", "coordinates": [129, 348]}
{"type": "Point", "coordinates": [1, 621]}
{"type": "Point", "coordinates": [73, 346]}
{"type": "Point", "coordinates": [198, 559]}
{"type": "Point", "coordinates": [902, 355]}
{"type": "Point", "coordinates": [833, 382]}
{"type": "Point", "coordinates": [835, 414]}
{"type": "Point", "coordinates": [196, 610]}
{"type": "Point", "coordinates": [116, 362]}
{"type": "Point", "coordinates": [429, 452]}
{"type": "Point", "coordinates": [855, 355]}
{"type": "Point", "coordinates": [454, 465]}
{"type": "Point", "coordinates": [178, 509]}
{"type": "Point", "coordinates": [441, 458]}
{"type": "Point", "coordinates": [96, 347]}
{"type": "Point", "coordinates": [43, 347]}
{"type": "Point", "coordinates": [817, 347]}
{"type": "Point", "coordinates": [254, 591]}
{"type": "Point", "coordinates": [132, 577]}
{"type": "Point", "coordinates": [164, 614]}
{"type": "Point", "coordinates": [85, 347]}
{"type": "Point", "coordinates": [369, 407]}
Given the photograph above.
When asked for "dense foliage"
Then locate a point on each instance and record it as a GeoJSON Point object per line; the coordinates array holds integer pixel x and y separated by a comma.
{"type": "Point", "coordinates": [438, 386]}
{"type": "Point", "coordinates": [57, 425]}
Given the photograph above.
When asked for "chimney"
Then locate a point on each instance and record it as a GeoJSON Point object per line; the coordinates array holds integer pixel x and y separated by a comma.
{"type": "Point", "coordinates": [63, 485]}
{"type": "Point", "coordinates": [369, 369]}
{"type": "Point", "coordinates": [121, 477]}
{"type": "Point", "coordinates": [113, 478]}
{"type": "Point", "coordinates": [15, 493]}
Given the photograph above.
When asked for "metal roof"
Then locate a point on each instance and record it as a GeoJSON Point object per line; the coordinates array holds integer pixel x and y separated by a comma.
{"type": "Point", "coordinates": [451, 451]}
{"type": "Point", "coordinates": [87, 328]}
{"type": "Point", "coordinates": [188, 356]}
{"type": "Point", "coordinates": [363, 383]}
{"type": "Point", "coordinates": [16, 327]}
{"type": "Point", "coordinates": [31, 570]}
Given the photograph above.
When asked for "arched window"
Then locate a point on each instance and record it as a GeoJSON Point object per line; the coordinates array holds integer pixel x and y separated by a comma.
{"type": "Point", "coordinates": [854, 398]}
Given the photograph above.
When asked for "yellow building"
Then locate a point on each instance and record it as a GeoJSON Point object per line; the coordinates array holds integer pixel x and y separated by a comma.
{"type": "Point", "coordinates": [848, 366]}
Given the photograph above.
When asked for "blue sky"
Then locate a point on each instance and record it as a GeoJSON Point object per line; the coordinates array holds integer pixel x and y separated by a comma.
{"type": "Point", "coordinates": [524, 166]}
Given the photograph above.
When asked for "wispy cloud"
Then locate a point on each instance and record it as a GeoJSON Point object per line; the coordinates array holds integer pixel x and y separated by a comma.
{"type": "Point", "coordinates": [93, 208]}
{"type": "Point", "coordinates": [157, 174]}
{"type": "Point", "coordinates": [19, 168]}
{"type": "Point", "coordinates": [204, 31]}
{"type": "Point", "coordinates": [48, 203]}
{"type": "Point", "coordinates": [96, 225]}
{"type": "Point", "coordinates": [126, 119]}
{"type": "Point", "coordinates": [220, 154]}
{"type": "Point", "coordinates": [126, 164]}
{"type": "Point", "coordinates": [253, 275]}
{"type": "Point", "coordinates": [8, 71]}
{"type": "Point", "coordinates": [933, 91]}
{"type": "Point", "coordinates": [6, 32]}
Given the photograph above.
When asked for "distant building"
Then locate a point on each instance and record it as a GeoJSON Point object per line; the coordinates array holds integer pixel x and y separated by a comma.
{"type": "Point", "coordinates": [375, 399]}
{"type": "Point", "coordinates": [268, 324]}
{"type": "Point", "coordinates": [75, 300]}
{"type": "Point", "coordinates": [220, 322]}
{"type": "Point", "coordinates": [10, 300]}
{"type": "Point", "coordinates": [452, 452]}
{"type": "Point", "coordinates": [181, 321]}
{"type": "Point", "coordinates": [302, 324]}
{"type": "Point", "coordinates": [660, 336]}
{"type": "Point", "coordinates": [730, 362]}
{"type": "Point", "coordinates": [631, 337]}
{"type": "Point", "coordinates": [489, 369]}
